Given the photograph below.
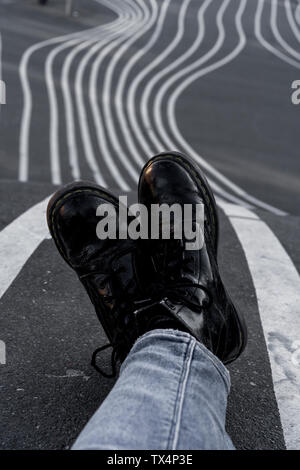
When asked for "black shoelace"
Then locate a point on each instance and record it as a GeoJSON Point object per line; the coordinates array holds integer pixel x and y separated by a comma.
{"type": "Point", "coordinates": [159, 293]}
{"type": "Point", "coordinates": [163, 288]}
{"type": "Point", "coordinates": [122, 303]}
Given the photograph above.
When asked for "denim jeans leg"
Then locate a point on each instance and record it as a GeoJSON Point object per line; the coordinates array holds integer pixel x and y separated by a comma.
{"type": "Point", "coordinates": [171, 394]}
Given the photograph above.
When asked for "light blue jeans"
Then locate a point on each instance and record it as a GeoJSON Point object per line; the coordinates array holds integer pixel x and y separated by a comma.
{"type": "Point", "coordinates": [171, 394]}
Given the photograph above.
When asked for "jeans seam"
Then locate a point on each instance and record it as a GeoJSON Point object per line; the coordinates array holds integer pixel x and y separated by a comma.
{"type": "Point", "coordinates": [184, 384]}
{"type": "Point", "coordinates": [179, 334]}
{"type": "Point", "coordinates": [174, 430]}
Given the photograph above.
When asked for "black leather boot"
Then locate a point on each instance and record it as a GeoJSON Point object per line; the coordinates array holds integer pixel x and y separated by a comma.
{"type": "Point", "coordinates": [187, 283]}
{"type": "Point", "coordinates": [108, 269]}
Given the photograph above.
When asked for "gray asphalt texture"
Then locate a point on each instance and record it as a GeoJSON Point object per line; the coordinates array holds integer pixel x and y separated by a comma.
{"type": "Point", "coordinates": [245, 125]}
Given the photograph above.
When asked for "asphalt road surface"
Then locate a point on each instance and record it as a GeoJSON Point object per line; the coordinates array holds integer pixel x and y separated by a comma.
{"type": "Point", "coordinates": [93, 96]}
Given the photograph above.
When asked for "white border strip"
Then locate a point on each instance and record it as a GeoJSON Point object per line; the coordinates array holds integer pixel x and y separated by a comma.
{"type": "Point", "coordinates": [277, 285]}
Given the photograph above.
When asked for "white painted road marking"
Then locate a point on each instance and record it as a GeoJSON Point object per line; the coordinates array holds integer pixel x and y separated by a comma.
{"type": "Point", "coordinates": [2, 83]}
{"type": "Point", "coordinates": [267, 45]}
{"type": "Point", "coordinates": [2, 352]}
{"type": "Point", "coordinates": [142, 17]}
{"type": "Point", "coordinates": [19, 240]}
{"type": "Point", "coordinates": [277, 285]}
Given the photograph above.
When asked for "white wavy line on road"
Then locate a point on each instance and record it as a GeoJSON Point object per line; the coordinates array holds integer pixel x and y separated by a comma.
{"type": "Point", "coordinates": [53, 106]}
{"type": "Point", "coordinates": [145, 97]}
{"type": "Point", "coordinates": [146, 94]}
{"type": "Point", "coordinates": [142, 139]}
{"type": "Point", "coordinates": [103, 141]}
{"type": "Point", "coordinates": [131, 105]}
{"type": "Point", "coordinates": [54, 114]}
{"type": "Point", "coordinates": [146, 24]}
{"type": "Point", "coordinates": [27, 98]}
{"type": "Point", "coordinates": [1, 56]}
{"type": "Point", "coordinates": [171, 114]}
{"type": "Point", "coordinates": [158, 121]}
{"type": "Point", "coordinates": [145, 108]}
{"type": "Point", "coordinates": [264, 42]}
{"type": "Point", "coordinates": [2, 83]}
{"type": "Point", "coordinates": [177, 77]}
{"type": "Point", "coordinates": [69, 110]}
{"type": "Point", "coordinates": [119, 105]}
{"type": "Point", "coordinates": [103, 30]}
{"type": "Point", "coordinates": [277, 34]}
{"type": "Point", "coordinates": [277, 285]}
{"type": "Point", "coordinates": [291, 19]}
{"type": "Point", "coordinates": [297, 13]}
{"type": "Point", "coordinates": [80, 104]}
{"type": "Point", "coordinates": [130, 101]}
{"type": "Point", "coordinates": [19, 240]}
{"type": "Point", "coordinates": [115, 30]}
{"type": "Point", "coordinates": [94, 103]}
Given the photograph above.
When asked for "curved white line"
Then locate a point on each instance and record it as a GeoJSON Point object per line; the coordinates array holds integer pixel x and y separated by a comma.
{"type": "Point", "coordinates": [54, 116]}
{"type": "Point", "coordinates": [2, 84]}
{"type": "Point", "coordinates": [277, 34]}
{"type": "Point", "coordinates": [158, 122]}
{"type": "Point", "coordinates": [93, 97]}
{"type": "Point", "coordinates": [53, 107]}
{"type": "Point", "coordinates": [165, 86]}
{"type": "Point", "coordinates": [147, 22]}
{"type": "Point", "coordinates": [98, 121]}
{"type": "Point", "coordinates": [266, 44]}
{"type": "Point", "coordinates": [297, 13]}
{"type": "Point", "coordinates": [291, 19]}
{"type": "Point", "coordinates": [130, 102]}
{"type": "Point", "coordinates": [104, 36]}
{"type": "Point", "coordinates": [172, 117]}
{"type": "Point", "coordinates": [144, 105]}
{"type": "Point", "coordinates": [0, 56]}
{"type": "Point", "coordinates": [151, 84]}
{"type": "Point", "coordinates": [171, 104]}
{"type": "Point", "coordinates": [27, 97]}
{"type": "Point", "coordinates": [80, 101]}
{"type": "Point", "coordinates": [186, 71]}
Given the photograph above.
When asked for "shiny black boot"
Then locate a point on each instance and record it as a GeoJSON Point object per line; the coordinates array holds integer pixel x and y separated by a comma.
{"type": "Point", "coordinates": [108, 269]}
{"type": "Point", "coordinates": [187, 283]}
